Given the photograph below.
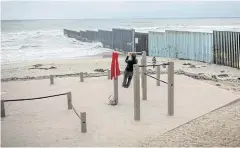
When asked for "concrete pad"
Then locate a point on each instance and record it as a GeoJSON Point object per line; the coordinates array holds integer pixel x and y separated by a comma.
{"type": "Point", "coordinates": [48, 122]}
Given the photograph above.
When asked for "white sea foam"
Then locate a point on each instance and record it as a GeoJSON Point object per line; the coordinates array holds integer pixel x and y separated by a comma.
{"type": "Point", "coordinates": [52, 44]}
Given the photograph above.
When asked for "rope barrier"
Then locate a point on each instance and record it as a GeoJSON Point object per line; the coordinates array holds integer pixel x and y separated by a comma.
{"type": "Point", "coordinates": [12, 100]}
{"type": "Point", "coordinates": [109, 97]}
{"type": "Point", "coordinates": [156, 78]}
{"type": "Point", "coordinates": [76, 112]}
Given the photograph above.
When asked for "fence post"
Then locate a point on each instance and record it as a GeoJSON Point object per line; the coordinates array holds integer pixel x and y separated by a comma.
{"type": "Point", "coordinates": [51, 80]}
{"type": "Point", "coordinates": [171, 89]}
{"type": "Point", "coordinates": [158, 75]}
{"type": "Point", "coordinates": [69, 100]}
{"type": "Point", "coordinates": [81, 77]}
{"type": "Point", "coordinates": [136, 89]}
{"type": "Point", "coordinates": [83, 122]}
{"type": "Point", "coordinates": [2, 109]}
{"type": "Point", "coordinates": [115, 89]}
{"type": "Point", "coordinates": [144, 80]}
{"type": "Point", "coordinates": [109, 74]}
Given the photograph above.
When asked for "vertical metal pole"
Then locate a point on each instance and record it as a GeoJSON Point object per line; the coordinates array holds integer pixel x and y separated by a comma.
{"type": "Point", "coordinates": [171, 89]}
{"type": "Point", "coordinates": [69, 100]}
{"type": "Point", "coordinates": [158, 75]}
{"type": "Point", "coordinates": [136, 89]}
{"type": "Point", "coordinates": [51, 80]}
{"type": "Point", "coordinates": [109, 74]}
{"type": "Point", "coordinates": [144, 80]}
{"type": "Point", "coordinates": [115, 89]}
{"type": "Point", "coordinates": [81, 77]}
{"type": "Point", "coordinates": [83, 122]}
{"type": "Point", "coordinates": [2, 109]}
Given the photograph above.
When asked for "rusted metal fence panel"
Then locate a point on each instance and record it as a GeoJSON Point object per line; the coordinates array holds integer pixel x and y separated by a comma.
{"type": "Point", "coordinates": [70, 33]}
{"type": "Point", "coordinates": [123, 39]}
{"type": "Point", "coordinates": [83, 34]}
{"type": "Point", "coordinates": [105, 37]}
{"type": "Point", "coordinates": [142, 44]}
{"type": "Point", "coordinates": [91, 35]}
{"type": "Point", "coordinates": [226, 48]}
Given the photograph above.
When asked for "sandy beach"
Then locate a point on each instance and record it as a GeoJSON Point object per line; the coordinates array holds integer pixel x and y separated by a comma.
{"type": "Point", "coordinates": [199, 89]}
{"type": "Point", "coordinates": [222, 76]}
{"type": "Point", "coordinates": [55, 85]}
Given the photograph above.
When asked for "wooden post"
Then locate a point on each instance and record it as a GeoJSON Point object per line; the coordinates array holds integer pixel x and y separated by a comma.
{"type": "Point", "coordinates": [171, 89]}
{"type": "Point", "coordinates": [136, 89]}
{"type": "Point", "coordinates": [109, 74]}
{"type": "Point", "coordinates": [69, 100]}
{"type": "Point", "coordinates": [83, 122]}
{"type": "Point", "coordinates": [158, 75]}
{"type": "Point", "coordinates": [144, 77]}
{"type": "Point", "coordinates": [2, 109]}
{"type": "Point", "coordinates": [51, 80]}
{"type": "Point", "coordinates": [81, 77]}
{"type": "Point", "coordinates": [142, 74]}
{"type": "Point", "coordinates": [115, 89]}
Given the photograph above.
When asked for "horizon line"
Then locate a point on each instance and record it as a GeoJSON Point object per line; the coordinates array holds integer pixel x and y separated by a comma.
{"type": "Point", "coordinates": [117, 18]}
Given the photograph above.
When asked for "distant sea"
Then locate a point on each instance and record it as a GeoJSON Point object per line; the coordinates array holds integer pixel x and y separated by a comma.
{"type": "Point", "coordinates": [29, 40]}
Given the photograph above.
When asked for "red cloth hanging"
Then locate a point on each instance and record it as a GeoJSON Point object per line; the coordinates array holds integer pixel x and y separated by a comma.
{"type": "Point", "coordinates": [115, 71]}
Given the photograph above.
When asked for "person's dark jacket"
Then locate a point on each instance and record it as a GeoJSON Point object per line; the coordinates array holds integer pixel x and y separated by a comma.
{"type": "Point", "coordinates": [130, 63]}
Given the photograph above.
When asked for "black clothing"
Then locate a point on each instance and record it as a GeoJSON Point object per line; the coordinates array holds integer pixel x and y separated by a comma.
{"type": "Point", "coordinates": [130, 64]}
{"type": "Point", "coordinates": [127, 78]}
{"type": "Point", "coordinates": [128, 73]}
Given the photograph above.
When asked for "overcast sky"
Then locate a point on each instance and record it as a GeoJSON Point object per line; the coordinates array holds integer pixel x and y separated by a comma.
{"type": "Point", "coordinates": [117, 9]}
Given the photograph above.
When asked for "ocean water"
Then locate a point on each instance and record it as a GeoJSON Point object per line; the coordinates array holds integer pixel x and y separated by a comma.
{"type": "Point", "coordinates": [29, 40]}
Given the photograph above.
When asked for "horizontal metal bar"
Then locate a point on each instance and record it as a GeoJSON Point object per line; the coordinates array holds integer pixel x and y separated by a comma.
{"type": "Point", "coordinates": [136, 52]}
{"type": "Point", "coordinates": [34, 98]}
{"type": "Point", "coordinates": [153, 65]}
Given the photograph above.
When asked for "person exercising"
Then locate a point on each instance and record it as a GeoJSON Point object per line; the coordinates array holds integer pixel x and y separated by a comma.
{"type": "Point", "coordinates": [128, 73]}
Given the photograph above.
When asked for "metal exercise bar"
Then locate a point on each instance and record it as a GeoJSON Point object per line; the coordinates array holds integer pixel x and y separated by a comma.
{"type": "Point", "coordinates": [153, 65]}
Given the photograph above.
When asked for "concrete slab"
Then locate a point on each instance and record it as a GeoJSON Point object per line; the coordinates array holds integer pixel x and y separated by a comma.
{"type": "Point", "coordinates": [48, 122]}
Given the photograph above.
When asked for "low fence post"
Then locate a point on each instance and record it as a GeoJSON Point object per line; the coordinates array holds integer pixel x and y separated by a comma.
{"type": "Point", "coordinates": [51, 80]}
{"type": "Point", "coordinates": [171, 89]}
{"type": "Point", "coordinates": [81, 77]}
{"type": "Point", "coordinates": [144, 71]}
{"type": "Point", "coordinates": [69, 100]}
{"type": "Point", "coordinates": [2, 109]}
{"type": "Point", "coordinates": [109, 74]}
{"type": "Point", "coordinates": [83, 122]}
{"type": "Point", "coordinates": [158, 75]}
{"type": "Point", "coordinates": [136, 89]}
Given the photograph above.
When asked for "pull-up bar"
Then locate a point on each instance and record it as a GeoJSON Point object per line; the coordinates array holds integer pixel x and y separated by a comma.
{"type": "Point", "coordinates": [136, 87]}
{"type": "Point", "coordinates": [137, 52]}
{"type": "Point", "coordinates": [144, 70]}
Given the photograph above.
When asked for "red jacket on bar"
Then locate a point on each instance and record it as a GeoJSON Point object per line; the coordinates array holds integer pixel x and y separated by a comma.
{"type": "Point", "coordinates": [115, 71]}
